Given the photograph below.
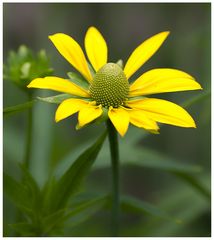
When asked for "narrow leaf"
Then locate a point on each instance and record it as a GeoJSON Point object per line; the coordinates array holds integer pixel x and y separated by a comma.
{"type": "Point", "coordinates": [146, 158]}
{"type": "Point", "coordinates": [194, 181]}
{"type": "Point", "coordinates": [15, 191]}
{"type": "Point", "coordinates": [153, 159]}
{"type": "Point", "coordinates": [55, 99]}
{"type": "Point", "coordinates": [200, 97]}
{"type": "Point", "coordinates": [32, 188]}
{"type": "Point", "coordinates": [25, 229]}
{"type": "Point", "coordinates": [138, 206]}
{"type": "Point", "coordinates": [95, 202]}
{"type": "Point", "coordinates": [18, 108]}
{"type": "Point", "coordinates": [92, 71]}
{"type": "Point", "coordinates": [82, 211]}
{"type": "Point", "coordinates": [78, 80]}
{"type": "Point", "coordinates": [69, 182]}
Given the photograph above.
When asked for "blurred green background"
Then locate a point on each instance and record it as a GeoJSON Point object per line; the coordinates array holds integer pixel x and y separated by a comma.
{"type": "Point", "coordinates": [162, 158]}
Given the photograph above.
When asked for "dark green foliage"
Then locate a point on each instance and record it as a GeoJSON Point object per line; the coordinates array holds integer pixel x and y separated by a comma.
{"type": "Point", "coordinates": [47, 209]}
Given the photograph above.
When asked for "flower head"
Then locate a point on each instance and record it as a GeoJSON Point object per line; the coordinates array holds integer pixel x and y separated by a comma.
{"type": "Point", "coordinates": [24, 65]}
{"type": "Point", "coordinates": [109, 88]}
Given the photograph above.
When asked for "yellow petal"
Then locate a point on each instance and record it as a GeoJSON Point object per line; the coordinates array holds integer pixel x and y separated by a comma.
{"type": "Point", "coordinates": [163, 111]}
{"type": "Point", "coordinates": [140, 119]}
{"type": "Point", "coordinates": [58, 84]}
{"type": "Point", "coordinates": [88, 114]}
{"type": "Point", "coordinates": [96, 48]}
{"type": "Point", "coordinates": [120, 119]}
{"type": "Point", "coordinates": [72, 52]}
{"type": "Point", "coordinates": [163, 80]}
{"type": "Point", "coordinates": [143, 52]}
{"type": "Point", "coordinates": [69, 107]}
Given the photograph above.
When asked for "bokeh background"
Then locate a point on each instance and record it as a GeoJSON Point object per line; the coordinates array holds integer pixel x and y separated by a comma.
{"type": "Point", "coordinates": [124, 26]}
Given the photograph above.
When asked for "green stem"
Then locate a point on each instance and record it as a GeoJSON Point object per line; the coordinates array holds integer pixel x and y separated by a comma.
{"type": "Point", "coordinates": [28, 148]}
{"type": "Point", "coordinates": [113, 142]}
{"type": "Point", "coordinates": [28, 134]}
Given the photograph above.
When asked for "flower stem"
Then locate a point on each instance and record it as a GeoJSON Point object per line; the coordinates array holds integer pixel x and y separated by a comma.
{"type": "Point", "coordinates": [113, 142]}
{"type": "Point", "coordinates": [28, 134]}
{"type": "Point", "coordinates": [28, 147]}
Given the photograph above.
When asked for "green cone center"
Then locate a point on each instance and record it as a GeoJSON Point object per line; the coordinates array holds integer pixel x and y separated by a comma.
{"type": "Point", "coordinates": [110, 86]}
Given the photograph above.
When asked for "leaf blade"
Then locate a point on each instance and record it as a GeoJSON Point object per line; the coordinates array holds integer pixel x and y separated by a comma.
{"type": "Point", "coordinates": [136, 205]}
{"type": "Point", "coordinates": [82, 211]}
{"type": "Point", "coordinates": [69, 182]}
{"type": "Point", "coordinates": [77, 79]}
{"type": "Point", "coordinates": [17, 108]}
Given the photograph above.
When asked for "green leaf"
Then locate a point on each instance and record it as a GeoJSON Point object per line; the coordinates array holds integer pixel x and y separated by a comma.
{"type": "Point", "coordinates": [78, 80]}
{"type": "Point", "coordinates": [26, 195]}
{"type": "Point", "coordinates": [18, 108]}
{"type": "Point", "coordinates": [69, 182]}
{"type": "Point", "coordinates": [25, 229]}
{"type": "Point", "coordinates": [32, 187]}
{"type": "Point", "coordinates": [55, 99]}
{"type": "Point", "coordinates": [84, 211]}
{"type": "Point", "coordinates": [200, 97]}
{"type": "Point", "coordinates": [53, 221]}
{"type": "Point", "coordinates": [85, 205]}
{"type": "Point", "coordinates": [15, 191]}
{"type": "Point", "coordinates": [58, 98]}
{"type": "Point", "coordinates": [91, 69]}
{"type": "Point", "coordinates": [146, 158]}
{"type": "Point", "coordinates": [78, 213]}
{"type": "Point", "coordinates": [194, 181]}
{"type": "Point", "coordinates": [153, 159]}
{"type": "Point", "coordinates": [185, 203]}
{"type": "Point", "coordinates": [138, 206]}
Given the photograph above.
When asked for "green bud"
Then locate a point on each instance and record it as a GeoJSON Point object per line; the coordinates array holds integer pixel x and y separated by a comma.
{"type": "Point", "coordinates": [23, 66]}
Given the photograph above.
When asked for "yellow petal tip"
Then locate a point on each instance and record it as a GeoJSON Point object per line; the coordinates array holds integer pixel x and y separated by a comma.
{"type": "Point", "coordinates": [92, 27]}
{"type": "Point", "coordinates": [198, 87]}
{"type": "Point", "coordinates": [166, 33]}
{"type": "Point", "coordinates": [122, 134]}
{"type": "Point", "coordinates": [51, 36]}
{"type": "Point", "coordinates": [31, 84]}
{"type": "Point", "coordinates": [57, 120]}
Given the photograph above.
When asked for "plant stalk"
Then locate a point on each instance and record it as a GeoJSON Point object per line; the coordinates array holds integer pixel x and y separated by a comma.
{"type": "Point", "coordinates": [28, 147]}
{"type": "Point", "coordinates": [28, 134]}
{"type": "Point", "coordinates": [113, 142]}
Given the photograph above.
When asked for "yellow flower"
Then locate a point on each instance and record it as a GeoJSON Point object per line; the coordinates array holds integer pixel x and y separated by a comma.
{"type": "Point", "coordinates": [110, 90]}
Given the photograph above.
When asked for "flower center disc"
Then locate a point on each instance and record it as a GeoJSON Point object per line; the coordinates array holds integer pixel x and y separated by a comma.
{"type": "Point", "coordinates": [110, 86]}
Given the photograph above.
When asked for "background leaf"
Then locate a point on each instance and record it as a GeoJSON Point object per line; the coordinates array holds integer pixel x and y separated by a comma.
{"type": "Point", "coordinates": [138, 206]}
{"type": "Point", "coordinates": [18, 108]}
